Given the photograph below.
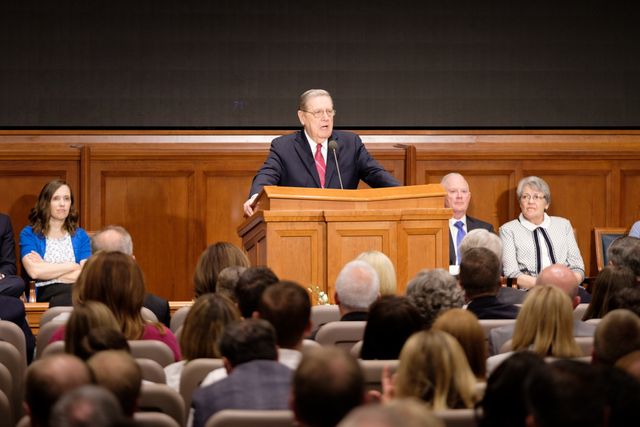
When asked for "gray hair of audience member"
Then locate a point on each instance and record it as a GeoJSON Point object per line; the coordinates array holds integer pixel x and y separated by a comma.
{"type": "Point", "coordinates": [308, 94]}
{"type": "Point", "coordinates": [403, 412]}
{"type": "Point", "coordinates": [445, 178]}
{"type": "Point", "coordinates": [246, 340]}
{"type": "Point", "coordinates": [357, 285]}
{"type": "Point", "coordinates": [617, 334]}
{"type": "Point", "coordinates": [227, 281]}
{"type": "Point", "coordinates": [86, 406]}
{"type": "Point", "coordinates": [112, 238]}
{"type": "Point", "coordinates": [625, 251]}
{"type": "Point", "coordinates": [481, 238]}
{"type": "Point", "coordinates": [385, 269]}
{"type": "Point", "coordinates": [432, 292]}
{"type": "Point", "coordinates": [535, 183]}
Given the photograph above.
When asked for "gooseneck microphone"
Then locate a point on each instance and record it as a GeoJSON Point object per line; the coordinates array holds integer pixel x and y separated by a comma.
{"type": "Point", "coordinates": [333, 144]}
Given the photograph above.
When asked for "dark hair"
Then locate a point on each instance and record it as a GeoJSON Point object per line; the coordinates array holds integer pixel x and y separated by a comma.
{"type": "Point", "coordinates": [41, 213]}
{"type": "Point", "coordinates": [480, 272]}
{"type": "Point", "coordinates": [625, 251]}
{"type": "Point", "coordinates": [250, 287]}
{"type": "Point", "coordinates": [246, 340]}
{"type": "Point", "coordinates": [212, 261]}
{"type": "Point", "coordinates": [392, 320]}
{"type": "Point", "coordinates": [101, 339]}
{"type": "Point", "coordinates": [287, 306]}
{"type": "Point", "coordinates": [610, 281]}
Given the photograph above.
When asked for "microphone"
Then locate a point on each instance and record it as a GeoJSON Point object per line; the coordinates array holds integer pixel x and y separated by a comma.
{"type": "Point", "coordinates": [333, 144]}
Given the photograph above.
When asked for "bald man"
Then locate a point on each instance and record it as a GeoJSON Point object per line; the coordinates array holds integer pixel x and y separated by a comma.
{"type": "Point", "coordinates": [560, 276]}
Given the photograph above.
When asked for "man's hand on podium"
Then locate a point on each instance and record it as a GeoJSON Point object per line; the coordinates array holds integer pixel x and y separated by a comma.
{"type": "Point", "coordinates": [248, 209]}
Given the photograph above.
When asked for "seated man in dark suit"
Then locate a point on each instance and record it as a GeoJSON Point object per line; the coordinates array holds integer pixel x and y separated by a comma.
{"type": "Point", "coordinates": [305, 159]}
{"type": "Point", "coordinates": [256, 380]}
{"type": "Point", "coordinates": [457, 198]}
{"type": "Point", "coordinates": [480, 278]}
{"type": "Point", "coordinates": [10, 284]}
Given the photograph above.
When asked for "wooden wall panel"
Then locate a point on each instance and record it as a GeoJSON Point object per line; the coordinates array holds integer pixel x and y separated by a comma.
{"type": "Point", "coordinates": [629, 194]}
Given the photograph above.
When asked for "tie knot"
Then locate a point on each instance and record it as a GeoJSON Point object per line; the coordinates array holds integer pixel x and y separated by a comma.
{"type": "Point", "coordinates": [459, 225]}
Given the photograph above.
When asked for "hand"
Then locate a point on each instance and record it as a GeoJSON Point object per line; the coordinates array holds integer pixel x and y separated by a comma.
{"type": "Point", "coordinates": [34, 256]}
{"type": "Point", "coordinates": [388, 385]}
{"type": "Point", "coordinates": [248, 210]}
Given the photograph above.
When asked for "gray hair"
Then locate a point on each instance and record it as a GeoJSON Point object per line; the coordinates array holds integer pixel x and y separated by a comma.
{"type": "Point", "coordinates": [88, 405]}
{"type": "Point", "coordinates": [536, 183]}
{"type": "Point", "coordinates": [123, 244]}
{"type": "Point", "coordinates": [311, 93]}
{"type": "Point", "coordinates": [625, 251]}
{"type": "Point", "coordinates": [446, 178]}
{"type": "Point", "coordinates": [481, 238]}
{"type": "Point", "coordinates": [357, 285]}
{"type": "Point", "coordinates": [434, 291]}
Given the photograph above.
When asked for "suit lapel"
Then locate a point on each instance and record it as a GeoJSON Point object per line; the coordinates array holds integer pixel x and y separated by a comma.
{"type": "Point", "coordinates": [306, 157]}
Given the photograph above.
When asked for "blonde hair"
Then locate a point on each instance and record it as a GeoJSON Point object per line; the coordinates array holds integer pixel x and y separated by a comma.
{"type": "Point", "coordinates": [433, 367]}
{"type": "Point", "coordinates": [464, 326]}
{"type": "Point", "coordinates": [384, 267]}
{"type": "Point", "coordinates": [545, 324]}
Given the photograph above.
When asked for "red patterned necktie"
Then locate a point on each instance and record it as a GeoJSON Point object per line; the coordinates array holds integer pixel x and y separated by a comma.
{"type": "Point", "coordinates": [320, 164]}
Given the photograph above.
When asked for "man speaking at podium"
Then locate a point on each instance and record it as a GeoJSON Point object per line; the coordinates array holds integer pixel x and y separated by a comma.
{"type": "Point", "coordinates": [307, 158]}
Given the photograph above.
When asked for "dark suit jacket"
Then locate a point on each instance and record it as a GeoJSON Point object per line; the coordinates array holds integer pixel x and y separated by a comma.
{"type": "Point", "coordinates": [490, 307]}
{"type": "Point", "coordinates": [12, 309]}
{"type": "Point", "coordinates": [7, 247]}
{"type": "Point", "coordinates": [291, 164]}
{"type": "Point", "coordinates": [258, 384]}
{"type": "Point", "coordinates": [159, 307]}
{"type": "Point", "coordinates": [472, 224]}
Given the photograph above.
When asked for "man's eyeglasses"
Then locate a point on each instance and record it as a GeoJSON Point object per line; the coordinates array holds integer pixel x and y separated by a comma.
{"type": "Point", "coordinates": [535, 197]}
{"type": "Point", "coordinates": [318, 113]}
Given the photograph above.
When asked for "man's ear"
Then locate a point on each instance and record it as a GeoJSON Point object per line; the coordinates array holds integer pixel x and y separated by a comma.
{"type": "Point", "coordinates": [335, 298]}
{"type": "Point", "coordinates": [227, 364]}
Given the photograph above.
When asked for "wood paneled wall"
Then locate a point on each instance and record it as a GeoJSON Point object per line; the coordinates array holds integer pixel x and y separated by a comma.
{"type": "Point", "coordinates": [178, 191]}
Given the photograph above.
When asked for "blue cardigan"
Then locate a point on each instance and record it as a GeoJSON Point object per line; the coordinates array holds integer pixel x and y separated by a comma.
{"type": "Point", "coordinates": [29, 241]}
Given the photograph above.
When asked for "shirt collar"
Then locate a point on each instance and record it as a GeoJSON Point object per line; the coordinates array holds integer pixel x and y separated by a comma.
{"type": "Point", "coordinates": [546, 222]}
{"type": "Point", "coordinates": [452, 221]}
{"type": "Point", "coordinates": [312, 143]}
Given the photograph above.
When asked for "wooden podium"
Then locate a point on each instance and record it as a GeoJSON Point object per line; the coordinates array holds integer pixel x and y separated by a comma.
{"type": "Point", "coordinates": [309, 234]}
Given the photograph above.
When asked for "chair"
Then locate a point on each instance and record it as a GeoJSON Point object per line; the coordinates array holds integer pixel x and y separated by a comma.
{"type": "Point", "coordinates": [356, 350]}
{"type": "Point", "coordinates": [603, 237]}
{"type": "Point", "coordinates": [24, 422]}
{"type": "Point", "coordinates": [53, 348]}
{"type": "Point", "coordinates": [11, 333]}
{"type": "Point", "coordinates": [53, 313]}
{"type": "Point", "coordinates": [251, 418]}
{"type": "Point", "coordinates": [11, 358]}
{"type": "Point", "coordinates": [152, 349]}
{"type": "Point", "coordinates": [193, 373]}
{"type": "Point", "coordinates": [178, 318]}
{"type": "Point", "coordinates": [579, 311]}
{"type": "Point", "coordinates": [151, 371]}
{"type": "Point", "coordinates": [154, 419]}
{"type": "Point", "coordinates": [489, 324]}
{"type": "Point", "coordinates": [162, 398]}
{"type": "Point", "coordinates": [341, 334]}
{"type": "Point", "coordinates": [148, 315]}
{"type": "Point", "coordinates": [321, 314]}
{"type": "Point", "coordinates": [44, 335]}
{"type": "Point", "coordinates": [372, 370]}
{"type": "Point", "coordinates": [6, 419]}
{"type": "Point", "coordinates": [457, 417]}
{"type": "Point", "coordinates": [594, 321]}
{"type": "Point", "coordinates": [586, 345]}
{"type": "Point", "coordinates": [308, 345]}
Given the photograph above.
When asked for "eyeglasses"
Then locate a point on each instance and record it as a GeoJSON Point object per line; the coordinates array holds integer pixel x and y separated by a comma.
{"type": "Point", "coordinates": [318, 113]}
{"type": "Point", "coordinates": [535, 197]}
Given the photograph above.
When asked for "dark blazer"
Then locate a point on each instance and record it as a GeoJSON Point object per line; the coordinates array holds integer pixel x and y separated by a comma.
{"type": "Point", "coordinates": [472, 224]}
{"type": "Point", "coordinates": [12, 309]}
{"type": "Point", "coordinates": [159, 307]}
{"type": "Point", "coordinates": [258, 384]}
{"type": "Point", "coordinates": [490, 307]}
{"type": "Point", "coordinates": [11, 285]}
{"type": "Point", "coordinates": [291, 164]}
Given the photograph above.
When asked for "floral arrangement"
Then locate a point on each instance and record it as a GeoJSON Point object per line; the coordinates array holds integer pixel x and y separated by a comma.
{"type": "Point", "coordinates": [318, 295]}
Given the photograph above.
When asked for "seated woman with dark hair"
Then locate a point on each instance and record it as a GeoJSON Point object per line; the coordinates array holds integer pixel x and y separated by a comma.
{"type": "Point", "coordinates": [212, 261]}
{"type": "Point", "coordinates": [610, 281]}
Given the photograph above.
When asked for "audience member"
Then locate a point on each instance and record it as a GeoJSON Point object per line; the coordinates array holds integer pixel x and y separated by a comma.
{"type": "Point", "coordinates": [84, 319]}
{"type": "Point", "coordinates": [118, 372]}
{"type": "Point", "coordinates": [212, 261]}
{"type": "Point", "coordinates": [625, 251]}
{"type": "Point", "coordinates": [433, 367]}
{"type": "Point", "coordinates": [627, 298]}
{"type": "Point", "coordinates": [53, 248]}
{"type": "Point", "coordinates": [617, 334]}
{"type": "Point", "coordinates": [409, 412]}
{"type": "Point", "coordinates": [201, 333]}
{"type": "Point", "coordinates": [251, 284]}
{"type": "Point", "coordinates": [610, 281]}
{"type": "Point", "coordinates": [464, 326]}
{"type": "Point", "coordinates": [287, 306]}
{"type": "Point", "coordinates": [326, 386]}
{"type": "Point", "coordinates": [385, 269]}
{"type": "Point", "coordinates": [506, 384]}
{"type": "Point", "coordinates": [432, 292]}
{"type": "Point", "coordinates": [12, 309]}
{"type": "Point", "coordinates": [11, 284]}
{"type": "Point", "coordinates": [256, 380]}
{"type": "Point", "coordinates": [228, 280]}
{"type": "Point", "coordinates": [47, 379]}
{"type": "Point", "coordinates": [630, 363]}
{"type": "Point", "coordinates": [357, 287]}
{"type": "Point", "coordinates": [87, 406]}
{"type": "Point", "coordinates": [480, 279]}
{"type": "Point", "coordinates": [392, 320]}
{"type": "Point", "coordinates": [536, 240]}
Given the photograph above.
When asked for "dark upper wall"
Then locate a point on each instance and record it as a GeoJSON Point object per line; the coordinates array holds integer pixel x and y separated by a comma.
{"type": "Point", "coordinates": [161, 63]}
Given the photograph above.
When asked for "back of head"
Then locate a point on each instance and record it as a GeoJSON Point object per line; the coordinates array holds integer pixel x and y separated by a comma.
{"type": "Point", "coordinates": [384, 267]}
{"type": "Point", "coordinates": [203, 326]}
{"type": "Point", "coordinates": [101, 339]}
{"type": "Point", "coordinates": [227, 281]}
{"type": "Point", "coordinates": [246, 340]}
{"type": "Point", "coordinates": [434, 368]}
{"type": "Point", "coordinates": [610, 281]}
{"type": "Point", "coordinates": [250, 287]}
{"type": "Point", "coordinates": [627, 298]}
{"type": "Point", "coordinates": [48, 379]}
{"type": "Point", "coordinates": [287, 306]}
{"type": "Point", "coordinates": [407, 412]}
{"type": "Point", "coordinates": [112, 238]}
{"type": "Point", "coordinates": [617, 334]}
{"type": "Point", "coordinates": [392, 320]}
{"type": "Point", "coordinates": [625, 251]}
{"type": "Point", "coordinates": [118, 372]}
{"type": "Point", "coordinates": [85, 318]}
{"type": "Point", "coordinates": [545, 323]}
{"type": "Point", "coordinates": [464, 326]}
{"type": "Point", "coordinates": [480, 271]}
{"type": "Point", "coordinates": [326, 386]}
{"type": "Point", "coordinates": [86, 406]}
{"type": "Point", "coordinates": [561, 277]}
{"type": "Point", "coordinates": [481, 238]}
{"type": "Point", "coordinates": [212, 261]}
{"type": "Point", "coordinates": [433, 291]}
{"type": "Point", "coordinates": [357, 286]}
